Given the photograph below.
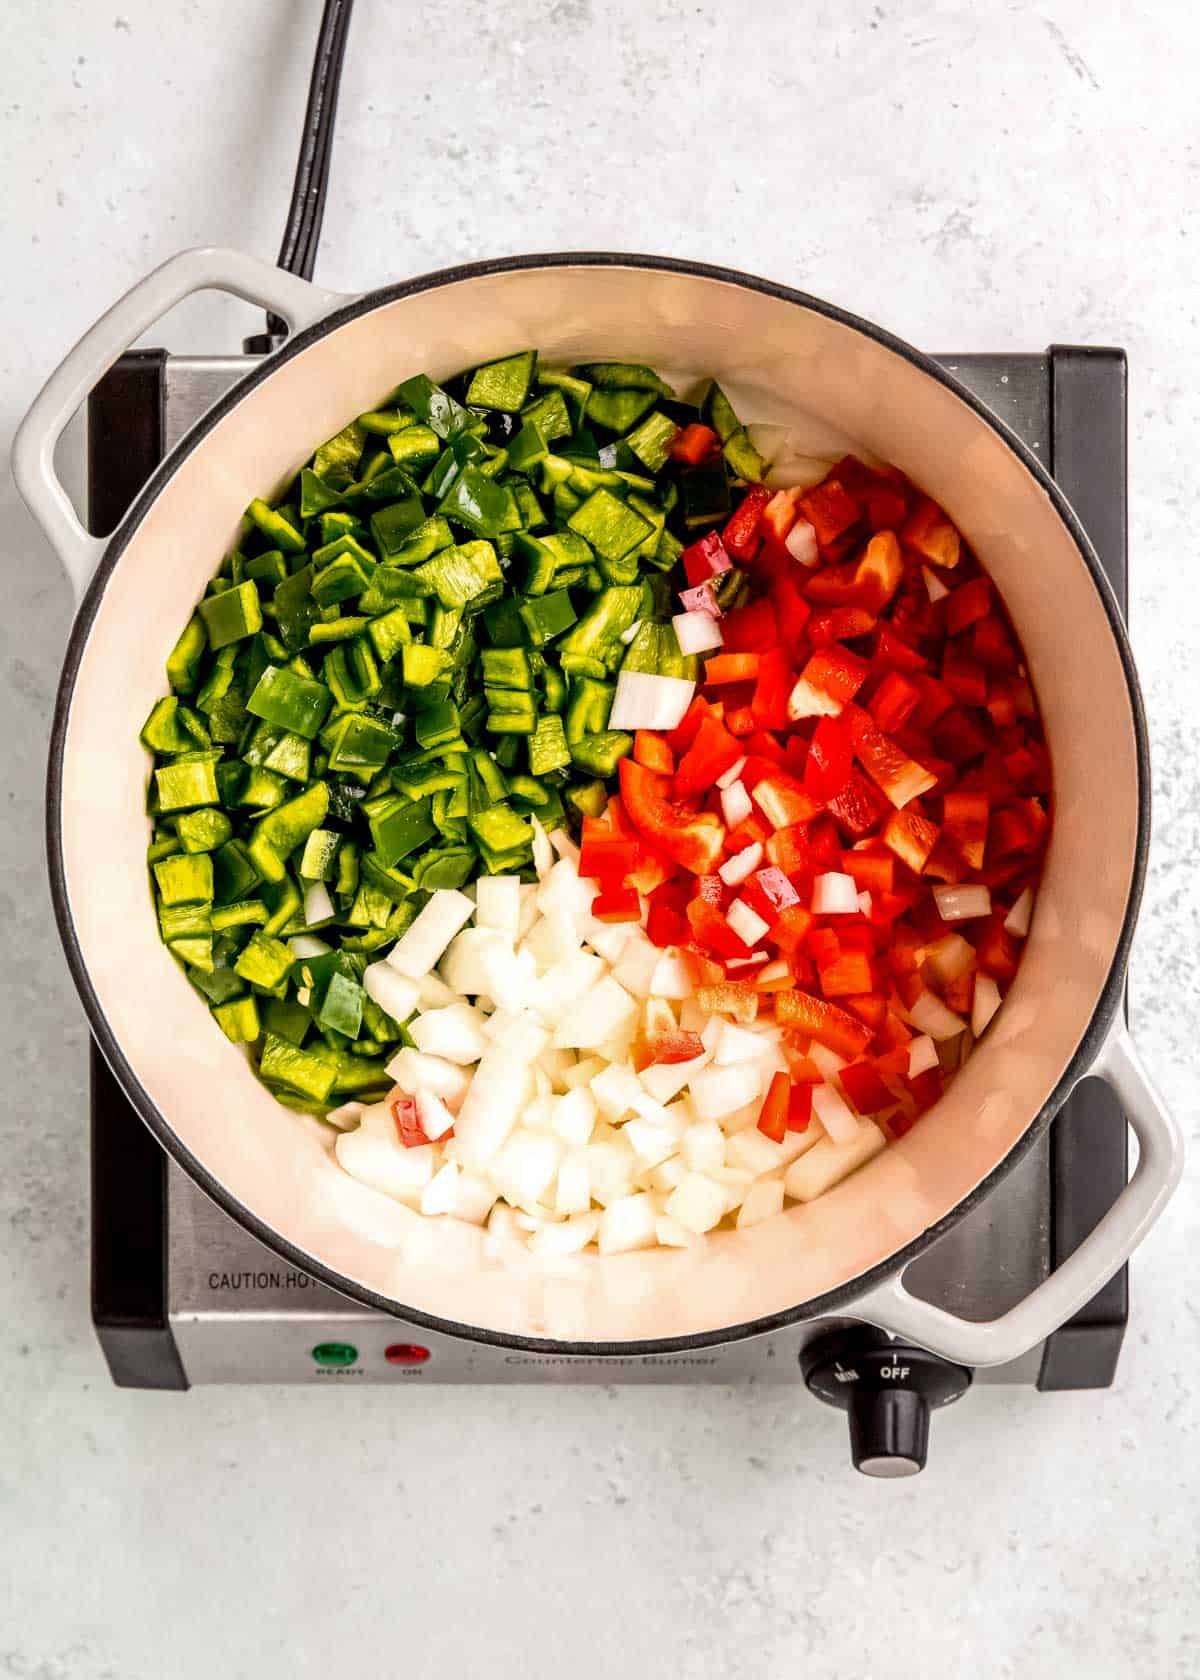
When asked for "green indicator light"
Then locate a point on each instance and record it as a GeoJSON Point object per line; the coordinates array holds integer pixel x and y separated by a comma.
{"type": "Point", "coordinates": [335, 1353]}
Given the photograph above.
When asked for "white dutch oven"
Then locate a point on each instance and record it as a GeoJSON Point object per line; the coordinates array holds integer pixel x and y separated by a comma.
{"type": "Point", "coordinates": [779, 353]}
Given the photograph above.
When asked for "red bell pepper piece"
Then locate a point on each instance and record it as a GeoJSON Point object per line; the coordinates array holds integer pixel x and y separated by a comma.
{"type": "Point", "coordinates": [870, 1007]}
{"type": "Point", "coordinates": [965, 678]}
{"type": "Point", "coordinates": [839, 624]}
{"type": "Point", "coordinates": [789, 850]}
{"type": "Point", "coordinates": [751, 831]}
{"type": "Point", "coordinates": [407, 1122]}
{"type": "Point", "coordinates": [880, 571]}
{"type": "Point", "coordinates": [792, 611]}
{"type": "Point", "coordinates": [665, 926]}
{"type": "Point", "coordinates": [911, 836]}
{"type": "Point", "coordinates": [885, 505]}
{"type": "Point", "coordinates": [779, 515]}
{"type": "Point", "coordinates": [965, 822]}
{"type": "Point", "coordinates": [873, 872]}
{"type": "Point", "coordinates": [713, 752]}
{"type": "Point", "coordinates": [741, 534]}
{"type": "Point", "coordinates": [799, 1108]}
{"type": "Point", "coordinates": [993, 646]}
{"type": "Point", "coordinates": [740, 721]}
{"type": "Point", "coordinates": [751, 628]}
{"type": "Point", "coordinates": [830, 510]}
{"type": "Point", "coordinates": [607, 858]}
{"type": "Point", "coordinates": [931, 535]}
{"type": "Point", "coordinates": [729, 997]}
{"type": "Point", "coordinates": [864, 1087]}
{"type": "Point", "coordinates": [968, 603]}
{"type": "Point", "coordinates": [925, 1090]}
{"type": "Point", "coordinates": [693, 839]}
{"type": "Point", "coordinates": [730, 668]}
{"type": "Point", "coordinates": [652, 751]}
{"type": "Point", "coordinates": [959, 737]}
{"type": "Point", "coordinates": [900, 777]}
{"type": "Point", "coordinates": [709, 926]}
{"type": "Point", "coordinates": [847, 975]}
{"type": "Point", "coordinates": [791, 930]}
{"type": "Point", "coordinates": [830, 759]}
{"type": "Point", "coordinates": [773, 1115]}
{"type": "Point", "coordinates": [617, 904]}
{"type": "Point", "coordinates": [824, 844]}
{"type": "Point", "coordinates": [859, 808]}
{"type": "Point", "coordinates": [832, 676]}
{"type": "Point", "coordinates": [894, 702]}
{"type": "Point", "coordinates": [681, 737]}
{"type": "Point", "coordinates": [769, 706]}
{"type": "Point", "coordinates": [694, 444]}
{"type": "Point", "coordinates": [824, 1021]}
{"type": "Point", "coordinates": [705, 558]}
{"type": "Point", "coordinates": [783, 799]}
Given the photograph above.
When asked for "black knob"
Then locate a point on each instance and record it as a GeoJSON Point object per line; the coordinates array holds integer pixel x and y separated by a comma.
{"type": "Point", "coordinates": [888, 1388]}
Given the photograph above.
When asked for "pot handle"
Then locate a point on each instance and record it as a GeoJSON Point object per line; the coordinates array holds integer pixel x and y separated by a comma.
{"type": "Point", "coordinates": [200, 269]}
{"type": "Point", "coordinates": [1052, 1303]}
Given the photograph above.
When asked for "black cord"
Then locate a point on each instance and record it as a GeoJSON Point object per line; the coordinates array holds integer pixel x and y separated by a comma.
{"type": "Point", "coordinates": [306, 211]}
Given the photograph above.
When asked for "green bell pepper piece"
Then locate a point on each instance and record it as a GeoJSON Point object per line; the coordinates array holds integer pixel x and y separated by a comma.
{"type": "Point", "coordinates": [436, 408]}
{"type": "Point", "coordinates": [238, 1019]}
{"type": "Point", "coordinates": [183, 661]}
{"type": "Point", "coordinates": [265, 962]}
{"type": "Point", "coordinates": [296, 704]}
{"type": "Point", "coordinates": [610, 526]}
{"type": "Point", "coordinates": [358, 744]}
{"type": "Point", "coordinates": [185, 879]}
{"type": "Point", "coordinates": [421, 665]}
{"type": "Point", "coordinates": [501, 829]}
{"type": "Point", "coordinates": [276, 836]}
{"type": "Point", "coordinates": [204, 830]}
{"type": "Point", "coordinates": [319, 854]}
{"type": "Point", "coordinates": [600, 754]}
{"type": "Point", "coordinates": [548, 748]}
{"type": "Point", "coordinates": [597, 636]}
{"type": "Point", "coordinates": [233, 873]}
{"type": "Point", "coordinates": [172, 728]}
{"type": "Point", "coordinates": [503, 384]}
{"type": "Point", "coordinates": [399, 827]}
{"type": "Point", "coordinates": [311, 1072]}
{"type": "Point", "coordinates": [351, 672]}
{"type": "Point", "coordinates": [547, 616]}
{"type": "Point", "coordinates": [651, 441]}
{"type": "Point", "coordinates": [188, 781]}
{"type": "Point", "coordinates": [275, 525]}
{"type": "Point", "coordinates": [480, 504]}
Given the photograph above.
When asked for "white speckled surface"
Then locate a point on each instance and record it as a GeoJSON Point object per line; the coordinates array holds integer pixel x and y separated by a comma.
{"type": "Point", "coordinates": [991, 177]}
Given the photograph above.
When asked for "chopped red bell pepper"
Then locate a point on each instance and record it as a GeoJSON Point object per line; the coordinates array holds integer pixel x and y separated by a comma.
{"type": "Point", "coordinates": [681, 737]}
{"type": "Point", "coordinates": [879, 572]}
{"type": "Point", "coordinates": [866, 1090]}
{"type": "Point", "coordinates": [408, 1122]}
{"type": "Point", "coordinates": [769, 706]}
{"type": "Point", "coordinates": [792, 611]}
{"type": "Point", "coordinates": [800, 1107]}
{"type": "Point", "coordinates": [605, 856]}
{"type": "Point", "coordinates": [652, 751]}
{"type": "Point", "coordinates": [693, 839]}
{"type": "Point", "coordinates": [873, 872]}
{"type": "Point", "coordinates": [694, 444]}
{"type": "Point", "coordinates": [824, 1021]}
{"type": "Point", "coordinates": [665, 926]}
{"type": "Point", "coordinates": [888, 766]}
{"type": "Point", "coordinates": [741, 534]}
{"type": "Point", "coordinates": [894, 702]}
{"type": "Point", "coordinates": [830, 759]}
{"type": "Point", "coordinates": [912, 837]}
{"type": "Point", "coordinates": [931, 535]}
{"type": "Point", "coordinates": [705, 558]}
{"type": "Point", "coordinates": [996, 950]}
{"type": "Point", "coordinates": [730, 668]}
{"type": "Point", "coordinates": [751, 628]}
{"type": "Point", "coordinates": [830, 510]}
{"type": "Point", "coordinates": [965, 679]}
{"type": "Point", "coordinates": [773, 1115]}
{"type": "Point", "coordinates": [706, 918]}
{"type": "Point", "coordinates": [730, 997]}
{"type": "Point", "coordinates": [992, 645]}
{"type": "Point", "coordinates": [859, 808]}
{"type": "Point", "coordinates": [966, 604]}
{"type": "Point", "coordinates": [779, 515]}
{"type": "Point", "coordinates": [839, 624]}
{"type": "Point", "coordinates": [965, 822]}
{"type": "Point", "coordinates": [847, 975]}
{"type": "Point", "coordinates": [832, 676]}
{"type": "Point", "coordinates": [783, 799]}
{"type": "Point", "coordinates": [713, 752]}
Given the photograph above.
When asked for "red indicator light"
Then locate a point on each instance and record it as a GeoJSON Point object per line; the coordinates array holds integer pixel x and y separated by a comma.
{"type": "Point", "coordinates": [406, 1353]}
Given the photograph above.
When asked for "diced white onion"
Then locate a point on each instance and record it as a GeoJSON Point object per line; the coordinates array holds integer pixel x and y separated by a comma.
{"type": "Point", "coordinates": [962, 903]}
{"type": "Point", "coordinates": [571, 1237]}
{"type": "Point", "coordinates": [728, 777]}
{"type": "Point", "coordinates": [604, 1014]}
{"type": "Point", "coordinates": [415, 1072]}
{"type": "Point", "coordinates": [831, 1110]}
{"type": "Point", "coordinates": [930, 1015]}
{"type": "Point", "coordinates": [697, 632]}
{"type": "Point", "coordinates": [395, 995]}
{"type": "Point", "coordinates": [922, 1055]}
{"type": "Point", "coordinates": [318, 906]}
{"type": "Point", "coordinates": [735, 804]}
{"type": "Point", "coordinates": [801, 543]}
{"type": "Point", "coordinates": [984, 1004]}
{"type": "Point", "coordinates": [543, 851]}
{"type": "Point", "coordinates": [436, 1119]}
{"type": "Point", "coordinates": [934, 587]}
{"type": "Point", "coordinates": [835, 894]}
{"type": "Point", "coordinates": [735, 869]}
{"type": "Point", "coordinates": [806, 701]}
{"type": "Point", "coordinates": [573, 1187]}
{"type": "Point", "coordinates": [645, 700]}
{"type": "Point", "coordinates": [737, 1045]}
{"type": "Point", "coordinates": [949, 958]}
{"type": "Point", "coordinates": [762, 1200]}
{"type": "Point", "coordinates": [627, 636]}
{"type": "Point", "coordinates": [827, 1162]}
{"type": "Point", "coordinates": [627, 1224]}
{"type": "Point", "coordinates": [455, 1032]}
{"type": "Point", "coordinates": [345, 1118]}
{"type": "Point", "coordinates": [498, 903]}
{"type": "Point", "coordinates": [637, 965]}
{"type": "Point", "coordinates": [1019, 917]}
{"type": "Point", "coordinates": [671, 978]}
{"type": "Point", "coordinates": [492, 1106]}
{"type": "Point", "coordinates": [568, 851]}
{"type": "Point", "coordinates": [305, 945]}
{"type": "Point", "coordinates": [575, 1116]}
{"type": "Point", "coordinates": [698, 1204]}
{"type": "Point", "coordinates": [422, 944]}
{"type": "Point", "coordinates": [616, 1090]}
{"type": "Point", "coordinates": [746, 922]}
{"type": "Point", "coordinates": [717, 1092]}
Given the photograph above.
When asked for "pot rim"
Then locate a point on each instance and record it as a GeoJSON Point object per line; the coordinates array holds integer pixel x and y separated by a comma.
{"type": "Point", "coordinates": [834, 1302]}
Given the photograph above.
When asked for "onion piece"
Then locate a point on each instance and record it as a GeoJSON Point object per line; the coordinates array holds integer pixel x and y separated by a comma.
{"type": "Point", "coordinates": [645, 700]}
{"type": "Point", "coordinates": [543, 851]}
{"type": "Point", "coordinates": [455, 1033]}
{"type": "Point", "coordinates": [962, 903]}
{"type": "Point", "coordinates": [934, 587]}
{"type": "Point", "coordinates": [746, 921]}
{"type": "Point", "coordinates": [922, 1055]}
{"type": "Point", "coordinates": [305, 945]}
{"type": "Point", "coordinates": [717, 1092]}
{"type": "Point", "coordinates": [498, 903]}
{"type": "Point", "coordinates": [735, 804]}
{"type": "Point", "coordinates": [1019, 917]}
{"type": "Point", "coordinates": [985, 1003]}
{"type": "Point", "coordinates": [422, 944]}
{"type": "Point", "coordinates": [568, 851]}
{"type": "Point", "coordinates": [828, 1162]}
{"type": "Point", "coordinates": [801, 543]}
{"type": "Point", "coordinates": [627, 1224]}
{"type": "Point", "coordinates": [838, 1119]}
{"type": "Point", "coordinates": [806, 701]}
{"type": "Point", "coordinates": [930, 1015]}
{"type": "Point", "coordinates": [627, 636]}
{"type": "Point", "coordinates": [436, 1119]}
{"type": "Point", "coordinates": [698, 1204]}
{"type": "Point", "coordinates": [834, 894]}
{"type": "Point", "coordinates": [395, 995]}
{"type": "Point", "coordinates": [763, 1199]}
{"type": "Point", "coordinates": [735, 869]}
{"type": "Point", "coordinates": [671, 978]}
{"type": "Point", "coordinates": [728, 777]}
{"type": "Point", "coordinates": [318, 906]}
{"type": "Point", "coordinates": [949, 958]}
{"type": "Point", "coordinates": [697, 632]}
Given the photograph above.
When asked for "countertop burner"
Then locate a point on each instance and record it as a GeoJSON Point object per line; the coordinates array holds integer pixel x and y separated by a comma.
{"type": "Point", "coordinates": [181, 1294]}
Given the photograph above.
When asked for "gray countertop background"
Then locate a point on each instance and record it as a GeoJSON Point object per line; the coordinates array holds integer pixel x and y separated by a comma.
{"type": "Point", "coordinates": [994, 176]}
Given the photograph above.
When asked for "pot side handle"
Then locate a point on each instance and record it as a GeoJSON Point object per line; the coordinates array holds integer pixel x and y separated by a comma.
{"type": "Point", "coordinates": [203, 268]}
{"type": "Point", "coordinates": [1098, 1257]}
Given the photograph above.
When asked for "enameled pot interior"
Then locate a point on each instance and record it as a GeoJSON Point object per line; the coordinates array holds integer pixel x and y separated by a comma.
{"type": "Point", "coordinates": [781, 361]}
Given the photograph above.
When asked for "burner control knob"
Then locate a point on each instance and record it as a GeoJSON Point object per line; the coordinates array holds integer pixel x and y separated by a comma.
{"type": "Point", "coordinates": [888, 1388]}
